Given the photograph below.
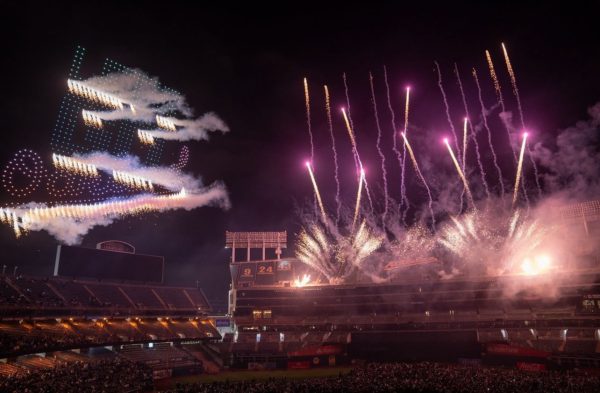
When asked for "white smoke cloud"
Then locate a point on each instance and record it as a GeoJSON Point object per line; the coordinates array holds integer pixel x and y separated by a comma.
{"type": "Point", "coordinates": [165, 176]}
{"type": "Point", "coordinates": [149, 99]}
{"type": "Point", "coordinates": [70, 230]}
{"type": "Point", "coordinates": [574, 166]}
{"type": "Point", "coordinates": [195, 129]}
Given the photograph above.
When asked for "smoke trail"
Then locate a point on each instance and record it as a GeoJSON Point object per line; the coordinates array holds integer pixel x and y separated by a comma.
{"type": "Point", "coordinates": [338, 201]}
{"type": "Point", "coordinates": [308, 122]}
{"type": "Point", "coordinates": [418, 170]}
{"type": "Point", "coordinates": [478, 153]}
{"type": "Point", "coordinates": [403, 198]}
{"type": "Point", "coordinates": [191, 129]}
{"type": "Point", "coordinates": [441, 86]}
{"type": "Point", "coordinates": [513, 80]}
{"type": "Point", "coordinates": [69, 223]}
{"type": "Point", "coordinates": [489, 134]}
{"type": "Point", "coordinates": [381, 155]}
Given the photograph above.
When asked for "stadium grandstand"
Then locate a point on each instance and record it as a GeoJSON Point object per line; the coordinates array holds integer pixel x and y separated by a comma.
{"type": "Point", "coordinates": [53, 327]}
{"type": "Point", "coordinates": [413, 316]}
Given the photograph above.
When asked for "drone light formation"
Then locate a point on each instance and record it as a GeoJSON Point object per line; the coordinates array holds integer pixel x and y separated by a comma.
{"type": "Point", "coordinates": [77, 196]}
{"type": "Point", "coordinates": [73, 165]}
{"type": "Point", "coordinates": [132, 181]}
{"type": "Point", "coordinates": [96, 96]}
{"type": "Point", "coordinates": [166, 123]}
{"type": "Point", "coordinates": [145, 137]}
{"type": "Point", "coordinates": [91, 119]}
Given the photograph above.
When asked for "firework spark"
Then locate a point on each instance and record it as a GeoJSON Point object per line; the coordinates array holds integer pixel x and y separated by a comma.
{"type": "Point", "coordinates": [358, 196]}
{"type": "Point", "coordinates": [399, 156]}
{"type": "Point", "coordinates": [519, 169]}
{"type": "Point", "coordinates": [492, 241]}
{"type": "Point", "coordinates": [338, 200]}
{"type": "Point", "coordinates": [317, 193]}
{"type": "Point", "coordinates": [513, 80]}
{"type": "Point", "coordinates": [308, 121]}
{"type": "Point", "coordinates": [334, 256]}
{"type": "Point", "coordinates": [420, 174]}
{"type": "Point", "coordinates": [379, 150]}
{"type": "Point", "coordinates": [460, 173]}
{"type": "Point", "coordinates": [476, 143]}
{"type": "Point", "coordinates": [489, 134]}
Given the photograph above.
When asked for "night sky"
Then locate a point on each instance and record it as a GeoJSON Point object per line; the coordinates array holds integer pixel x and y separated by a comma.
{"type": "Point", "coordinates": [247, 64]}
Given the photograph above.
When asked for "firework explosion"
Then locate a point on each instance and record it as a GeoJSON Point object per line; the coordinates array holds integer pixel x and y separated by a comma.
{"type": "Point", "coordinates": [492, 237]}
{"type": "Point", "coordinates": [493, 242]}
{"type": "Point", "coordinates": [336, 257]}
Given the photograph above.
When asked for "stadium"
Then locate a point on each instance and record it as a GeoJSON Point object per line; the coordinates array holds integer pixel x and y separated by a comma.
{"type": "Point", "coordinates": [308, 210]}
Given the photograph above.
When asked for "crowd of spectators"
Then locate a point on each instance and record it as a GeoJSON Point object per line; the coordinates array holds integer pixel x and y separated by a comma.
{"type": "Point", "coordinates": [103, 376]}
{"type": "Point", "coordinates": [13, 344]}
{"type": "Point", "coordinates": [414, 378]}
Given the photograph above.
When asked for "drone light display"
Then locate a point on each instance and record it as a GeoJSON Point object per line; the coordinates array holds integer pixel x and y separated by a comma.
{"type": "Point", "coordinates": [97, 172]}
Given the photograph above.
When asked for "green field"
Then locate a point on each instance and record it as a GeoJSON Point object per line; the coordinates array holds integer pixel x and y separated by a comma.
{"type": "Point", "coordinates": [250, 375]}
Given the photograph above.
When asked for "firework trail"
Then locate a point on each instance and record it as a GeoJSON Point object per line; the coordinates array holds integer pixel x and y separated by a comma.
{"type": "Point", "coordinates": [489, 133]}
{"type": "Point", "coordinates": [381, 155]}
{"type": "Point", "coordinates": [357, 161]}
{"type": "Point", "coordinates": [498, 89]}
{"type": "Point", "coordinates": [460, 173]}
{"type": "Point", "coordinates": [352, 140]}
{"type": "Point", "coordinates": [478, 153]}
{"type": "Point", "coordinates": [420, 174]}
{"type": "Point", "coordinates": [464, 157]}
{"type": "Point", "coordinates": [441, 86]}
{"type": "Point", "coordinates": [403, 173]}
{"type": "Point", "coordinates": [317, 193]}
{"type": "Point", "coordinates": [335, 156]}
{"type": "Point", "coordinates": [513, 80]}
{"type": "Point", "coordinates": [519, 168]}
{"type": "Point", "coordinates": [494, 78]}
{"type": "Point", "coordinates": [358, 196]}
{"type": "Point", "coordinates": [346, 91]}
{"type": "Point", "coordinates": [399, 156]}
{"type": "Point", "coordinates": [308, 122]}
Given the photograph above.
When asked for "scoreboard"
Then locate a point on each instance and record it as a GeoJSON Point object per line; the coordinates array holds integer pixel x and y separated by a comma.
{"type": "Point", "coordinates": [263, 273]}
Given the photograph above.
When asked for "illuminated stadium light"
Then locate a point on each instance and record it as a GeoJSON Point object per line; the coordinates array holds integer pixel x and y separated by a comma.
{"type": "Point", "coordinates": [97, 96]}
{"type": "Point", "coordinates": [73, 165]}
{"type": "Point", "coordinates": [166, 123]}
{"type": "Point", "coordinates": [91, 119]}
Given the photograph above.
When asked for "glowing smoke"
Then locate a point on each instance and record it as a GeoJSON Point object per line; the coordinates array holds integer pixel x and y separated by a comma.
{"type": "Point", "coordinates": [148, 101]}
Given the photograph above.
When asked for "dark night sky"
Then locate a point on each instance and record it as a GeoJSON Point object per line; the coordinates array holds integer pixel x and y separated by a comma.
{"type": "Point", "coordinates": [247, 65]}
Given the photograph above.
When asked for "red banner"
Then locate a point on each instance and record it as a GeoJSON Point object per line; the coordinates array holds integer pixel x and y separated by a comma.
{"type": "Point", "coordinates": [509, 350]}
{"type": "Point", "coordinates": [537, 367]}
{"type": "Point", "coordinates": [303, 364]}
{"type": "Point", "coordinates": [317, 350]}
